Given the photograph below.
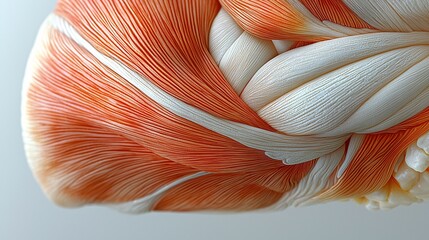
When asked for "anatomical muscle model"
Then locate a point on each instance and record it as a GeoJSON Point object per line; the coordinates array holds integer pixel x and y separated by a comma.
{"type": "Point", "coordinates": [230, 105]}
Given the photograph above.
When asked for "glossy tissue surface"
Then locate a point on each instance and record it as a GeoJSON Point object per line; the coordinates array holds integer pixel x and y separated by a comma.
{"type": "Point", "coordinates": [230, 105]}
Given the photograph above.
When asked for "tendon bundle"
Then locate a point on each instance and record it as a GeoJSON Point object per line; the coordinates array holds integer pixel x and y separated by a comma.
{"type": "Point", "coordinates": [230, 105]}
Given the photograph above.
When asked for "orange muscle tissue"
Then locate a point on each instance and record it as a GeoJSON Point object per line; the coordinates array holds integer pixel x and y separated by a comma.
{"type": "Point", "coordinates": [230, 105]}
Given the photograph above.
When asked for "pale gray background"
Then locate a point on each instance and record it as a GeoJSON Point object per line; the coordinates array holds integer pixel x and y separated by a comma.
{"type": "Point", "coordinates": [26, 214]}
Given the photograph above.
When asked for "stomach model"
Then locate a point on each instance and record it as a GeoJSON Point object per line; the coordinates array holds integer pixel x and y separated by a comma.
{"type": "Point", "coordinates": [230, 105]}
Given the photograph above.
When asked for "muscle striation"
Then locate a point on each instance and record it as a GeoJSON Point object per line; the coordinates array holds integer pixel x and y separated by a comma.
{"type": "Point", "coordinates": [231, 105]}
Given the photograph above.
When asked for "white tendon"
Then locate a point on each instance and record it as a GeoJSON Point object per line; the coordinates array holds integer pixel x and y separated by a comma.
{"type": "Point", "coordinates": [245, 56]}
{"type": "Point", "coordinates": [147, 203]}
{"type": "Point", "coordinates": [326, 102]}
{"type": "Point", "coordinates": [393, 15]}
{"type": "Point", "coordinates": [223, 33]}
{"type": "Point", "coordinates": [299, 66]}
{"type": "Point", "coordinates": [313, 183]}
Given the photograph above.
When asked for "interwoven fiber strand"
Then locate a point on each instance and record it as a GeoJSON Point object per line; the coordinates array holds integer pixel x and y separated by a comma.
{"type": "Point", "coordinates": [230, 105]}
